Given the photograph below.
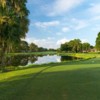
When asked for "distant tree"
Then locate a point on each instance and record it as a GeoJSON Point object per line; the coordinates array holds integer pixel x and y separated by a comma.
{"type": "Point", "coordinates": [72, 46]}
{"type": "Point", "coordinates": [65, 47]}
{"type": "Point", "coordinates": [92, 47]}
{"type": "Point", "coordinates": [51, 49]}
{"type": "Point", "coordinates": [45, 49]}
{"type": "Point", "coordinates": [76, 45]}
{"type": "Point", "coordinates": [98, 42]}
{"type": "Point", "coordinates": [41, 49]}
{"type": "Point", "coordinates": [33, 47]}
{"type": "Point", "coordinates": [85, 47]}
{"type": "Point", "coordinates": [24, 46]}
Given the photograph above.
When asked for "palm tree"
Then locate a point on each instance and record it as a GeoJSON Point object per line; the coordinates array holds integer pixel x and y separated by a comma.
{"type": "Point", "coordinates": [13, 24]}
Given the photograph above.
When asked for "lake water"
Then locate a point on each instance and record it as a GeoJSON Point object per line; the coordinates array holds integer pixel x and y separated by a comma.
{"type": "Point", "coordinates": [46, 59]}
{"type": "Point", "coordinates": [23, 60]}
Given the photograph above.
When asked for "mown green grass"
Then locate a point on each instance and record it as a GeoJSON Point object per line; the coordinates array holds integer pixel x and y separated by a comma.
{"type": "Point", "coordinates": [77, 80]}
{"type": "Point", "coordinates": [81, 55]}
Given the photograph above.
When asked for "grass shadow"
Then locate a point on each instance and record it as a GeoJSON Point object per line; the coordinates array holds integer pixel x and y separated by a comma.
{"type": "Point", "coordinates": [82, 84]}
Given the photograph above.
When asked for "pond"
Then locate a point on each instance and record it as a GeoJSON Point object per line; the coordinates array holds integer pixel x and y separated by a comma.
{"type": "Point", "coordinates": [24, 60]}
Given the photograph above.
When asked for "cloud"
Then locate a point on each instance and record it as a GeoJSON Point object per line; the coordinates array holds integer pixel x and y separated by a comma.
{"type": "Point", "coordinates": [79, 24]}
{"type": "Point", "coordinates": [46, 43]}
{"type": "Point", "coordinates": [47, 24]}
{"type": "Point", "coordinates": [50, 42]}
{"type": "Point", "coordinates": [62, 6]}
{"type": "Point", "coordinates": [94, 9]}
{"type": "Point", "coordinates": [59, 42]}
{"type": "Point", "coordinates": [65, 29]}
{"type": "Point", "coordinates": [84, 40]}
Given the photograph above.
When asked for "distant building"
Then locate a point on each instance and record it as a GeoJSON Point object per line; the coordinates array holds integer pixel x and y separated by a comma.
{"type": "Point", "coordinates": [93, 50]}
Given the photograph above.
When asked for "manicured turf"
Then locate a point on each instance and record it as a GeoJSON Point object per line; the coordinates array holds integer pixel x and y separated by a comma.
{"type": "Point", "coordinates": [77, 80]}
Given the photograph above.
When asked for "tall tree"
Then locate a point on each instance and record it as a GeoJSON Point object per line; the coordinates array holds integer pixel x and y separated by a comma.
{"type": "Point", "coordinates": [65, 47]}
{"type": "Point", "coordinates": [24, 46]}
{"type": "Point", "coordinates": [98, 42]}
{"type": "Point", "coordinates": [13, 24]}
{"type": "Point", "coordinates": [85, 47]}
{"type": "Point", "coordinates": [75, 45]}
{"type": "Point", "coordinates": [33, 47]}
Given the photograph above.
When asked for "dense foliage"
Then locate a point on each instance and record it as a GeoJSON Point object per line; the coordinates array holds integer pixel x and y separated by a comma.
{"type": "Point", "coordinates": [75, 46]}
{"type": "Point", "coordinates": [13, 24]}
{"type": "Point", "coordinates": [25, 47]}
{"type": "Point", "coordinates": [98, 42]}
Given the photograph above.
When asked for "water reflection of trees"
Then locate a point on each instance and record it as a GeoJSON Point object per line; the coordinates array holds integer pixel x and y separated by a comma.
{"type": "Point", "coordinates": [32, 59]}
{"type": "Point", "coordinates": [20, 60]}
{"type": "Point", "coordinates": [68, 58]}
{"type": "Point", "coordinates": [23, 60]}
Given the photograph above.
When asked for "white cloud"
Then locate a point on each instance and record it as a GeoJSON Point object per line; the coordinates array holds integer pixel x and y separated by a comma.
{"type": "Point", "coordinates": [59, 42]}
{"type": "Point", "coordinates": [65, 29]}
{"type": "Point", "coordinates": [47, 24]}
{"type": "Point", "coordinates": [94, 9]}
{"type": "Point", "coordinates": [50, 42]}
{"type": "Point", "coordinates": [84, 40]}
{"type": "Point", "coordinates": [62, 6]}
{"type": "Point", "coordinates": [46, 43]}
{"type": "Point", "coordinates": [50, 38]}
{"type": "Point", "coordinates": [79, 24]}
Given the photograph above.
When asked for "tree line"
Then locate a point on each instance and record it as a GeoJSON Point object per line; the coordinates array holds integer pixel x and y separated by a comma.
{"type": "Point", "coordinates": [76, 46]}
{"type": "Point", "coordinates": [25, 47]}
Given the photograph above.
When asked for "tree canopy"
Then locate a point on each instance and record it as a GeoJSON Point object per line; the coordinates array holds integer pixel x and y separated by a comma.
{"type": "Point", "coordinates": [75, 46]}
{"type": "Point", "coordinates": [13, 23]}
{"type": "Point", "coordinates": [98, 42]}
{"type": "Point", "coordinates": [33, 47]}
{"type": "Point", "coordinates": [85, 47]}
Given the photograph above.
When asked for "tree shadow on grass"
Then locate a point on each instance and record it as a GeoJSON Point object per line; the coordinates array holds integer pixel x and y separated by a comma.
{"type": "Point", "coordinates": [76, 62]}
{"type": "Point", "coordinates": [82, 84]}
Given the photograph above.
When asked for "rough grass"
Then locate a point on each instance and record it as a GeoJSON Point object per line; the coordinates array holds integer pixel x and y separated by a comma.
{"type": "Point", "coordinates": [77, 80]}
{"type": "Point", "coordinates": [81, 55]}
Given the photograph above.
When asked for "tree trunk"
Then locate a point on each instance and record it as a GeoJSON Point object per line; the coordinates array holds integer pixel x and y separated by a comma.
{"type": "Point", "coordinates": [3, 56]}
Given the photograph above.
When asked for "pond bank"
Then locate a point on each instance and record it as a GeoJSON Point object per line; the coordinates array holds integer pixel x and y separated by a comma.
{"type": "Point", "coordinates": [54, 81]}
{"type": "Point", "coordinates": [23, 62]}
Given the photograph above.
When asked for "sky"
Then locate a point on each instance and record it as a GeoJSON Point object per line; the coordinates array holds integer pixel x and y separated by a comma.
{"type": "Point", "coordinates": [53, 22]}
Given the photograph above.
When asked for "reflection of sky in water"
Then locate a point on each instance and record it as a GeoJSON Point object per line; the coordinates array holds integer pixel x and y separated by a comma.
{"type": "Point", "coordinates": [28, 60]}
{"type": "Point", "coordinates": [47, 59]}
